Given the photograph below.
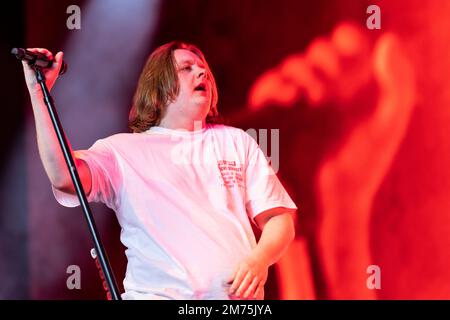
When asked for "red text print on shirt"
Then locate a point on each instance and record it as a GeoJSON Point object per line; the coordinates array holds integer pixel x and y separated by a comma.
{"type": "Point", "coordinates": [231, 173]}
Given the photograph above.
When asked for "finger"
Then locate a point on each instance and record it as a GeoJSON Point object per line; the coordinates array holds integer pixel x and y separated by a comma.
{"type": "Point", "coordinates": [244, 284]}
{"type": "Point", "coordinates": [58, 60]}
{"type": "Point", "coordinates": [349, 40]}
{"type": "Point", "coordinates": [33, 49]}
{"type": "Point", "coordinates": [59, 56]}
{"type": "Point", "coordinates": [237, 280]}
{"type": "Point", "coordinates": [264, 87]}
{"type": "Point", "coordinates": [272, 88]}
{"type": "Point", "coordinates": [44, 51]}
{"type": "Point", "coordinates": [233, 275]}
{"type": "Point", "coordinates": [258, 291]}
{"type": "Point", "coordinates": [322, 55]}
{"type": "Point", "coordinates": [251, 288]}
{"type": "Point", "coordinates": [297, 69]}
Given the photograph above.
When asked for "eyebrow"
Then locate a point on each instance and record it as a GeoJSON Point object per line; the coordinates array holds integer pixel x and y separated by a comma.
{"type": "Point", "coordinates": [190, 61]}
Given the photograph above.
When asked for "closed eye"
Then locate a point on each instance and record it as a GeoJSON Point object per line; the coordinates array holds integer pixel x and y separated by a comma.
{"type": "Point", "coordinates": [186, 68]}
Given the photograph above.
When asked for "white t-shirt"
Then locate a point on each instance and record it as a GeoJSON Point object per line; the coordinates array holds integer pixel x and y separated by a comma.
{"type": "Point", "coordinates": [184, 200]}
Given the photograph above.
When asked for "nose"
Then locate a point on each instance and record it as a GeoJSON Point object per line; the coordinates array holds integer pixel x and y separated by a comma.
{"type": "Point", "coordinates": [201, 73]}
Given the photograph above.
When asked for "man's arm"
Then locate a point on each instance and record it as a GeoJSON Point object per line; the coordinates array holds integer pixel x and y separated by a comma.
{"type": "Point", "coordinates": [278, 231]}
{"type": "Point", "coordinates": [49, 150]}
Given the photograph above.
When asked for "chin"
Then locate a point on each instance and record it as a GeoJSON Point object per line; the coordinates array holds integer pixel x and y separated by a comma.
{"type": "Point", "coordinates": [203, 106]}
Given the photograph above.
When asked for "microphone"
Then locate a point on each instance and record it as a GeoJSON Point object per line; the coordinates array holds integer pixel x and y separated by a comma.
{"type": "Point", "coordinates": [37, 59]}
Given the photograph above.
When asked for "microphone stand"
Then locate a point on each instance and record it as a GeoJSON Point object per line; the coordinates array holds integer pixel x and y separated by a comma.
{"type": "Point", "coordinates": [99, 250]}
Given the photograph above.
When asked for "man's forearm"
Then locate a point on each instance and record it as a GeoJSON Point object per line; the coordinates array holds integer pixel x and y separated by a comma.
{"type": "Point", "coordinates": [277, 234]}
{"type": "Point", "coordinates": [49, 149]}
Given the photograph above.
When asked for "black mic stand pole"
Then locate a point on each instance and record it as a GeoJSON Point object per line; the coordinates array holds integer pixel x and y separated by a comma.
{"type": "Point", "coordinates": [100, 251]}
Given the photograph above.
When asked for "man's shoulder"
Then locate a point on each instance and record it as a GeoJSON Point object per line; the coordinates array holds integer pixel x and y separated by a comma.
{"type": "Point", "coordinates": [118, 139]}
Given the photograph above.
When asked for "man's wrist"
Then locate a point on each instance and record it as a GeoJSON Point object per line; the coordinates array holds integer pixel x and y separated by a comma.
{"type": "Point", "coordinates": [261, 256]}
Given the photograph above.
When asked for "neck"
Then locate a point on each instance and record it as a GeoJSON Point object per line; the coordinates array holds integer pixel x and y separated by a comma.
{"type": "Point", "coordinates": [181, 124]}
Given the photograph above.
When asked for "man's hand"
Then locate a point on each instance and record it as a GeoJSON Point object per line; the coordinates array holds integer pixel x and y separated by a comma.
{"type": "Point", "coordinates": [51, 74]}
{"type": "Point", "coordinates": [247, 281]}
{"type": "Point", "coordinates": [249, 277]}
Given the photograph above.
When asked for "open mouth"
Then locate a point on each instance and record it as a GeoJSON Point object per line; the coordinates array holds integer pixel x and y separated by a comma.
{"type": "Point", "coordinates": [200, 87]}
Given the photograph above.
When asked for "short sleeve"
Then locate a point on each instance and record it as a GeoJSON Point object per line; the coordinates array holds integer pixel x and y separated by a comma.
{"type": "Point", "coordinates": [105, 175]}
{"type": "Point", "coordinates": [264, 190]}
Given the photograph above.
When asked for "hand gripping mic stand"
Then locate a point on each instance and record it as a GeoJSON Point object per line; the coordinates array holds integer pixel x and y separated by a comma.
{"type": "Point", "coordinates": [99, 250]}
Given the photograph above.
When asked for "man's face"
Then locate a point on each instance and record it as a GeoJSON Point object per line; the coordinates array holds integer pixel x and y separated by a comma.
{"type": "Point", "coordinates": [194, 98]}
